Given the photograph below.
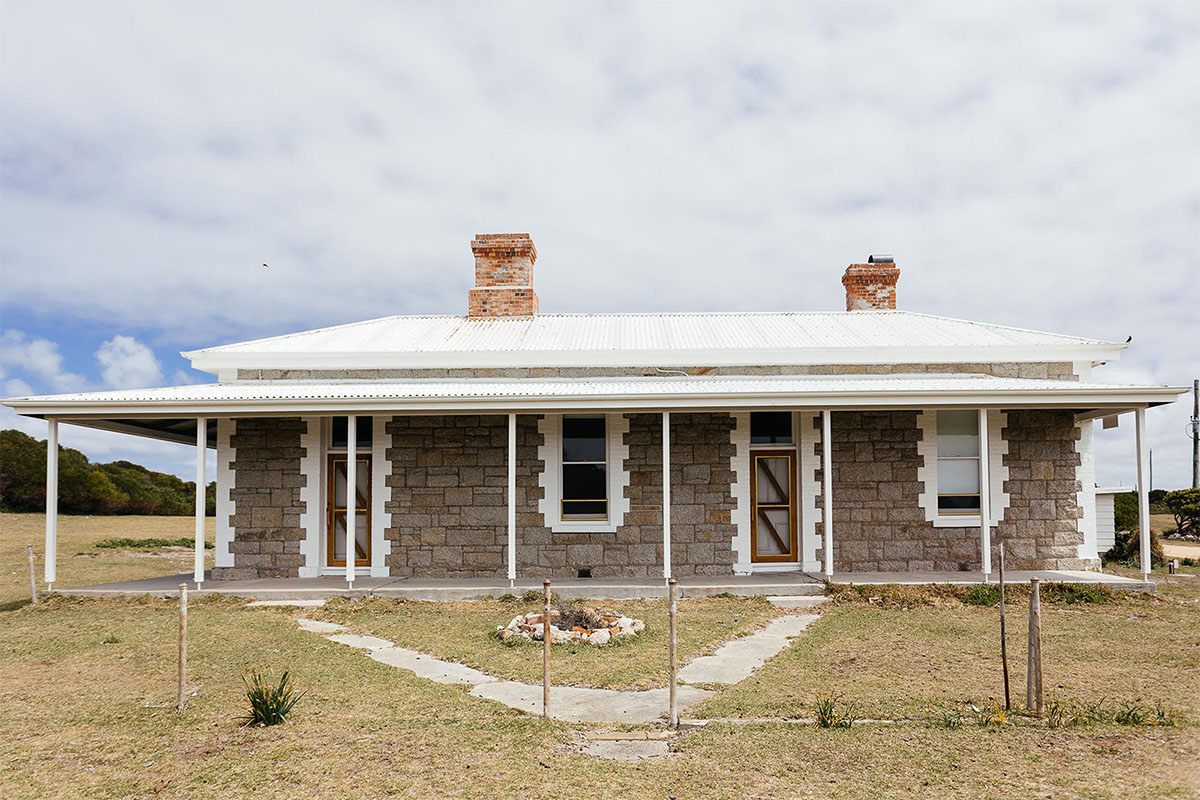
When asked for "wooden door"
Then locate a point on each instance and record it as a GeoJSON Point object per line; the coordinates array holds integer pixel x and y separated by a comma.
{"type": "Point", "coordinates": [337, 506]}
{"type": "Point", "coordinates": [773, 500]}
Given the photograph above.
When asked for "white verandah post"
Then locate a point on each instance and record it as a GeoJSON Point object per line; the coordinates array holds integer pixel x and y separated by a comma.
{"type": "Point", "coordinates": [201, 453]}
{"type": "Point", "coordinates": [985, 505]}
{"type": "Point", "coordinates": [512, 499]}
{"type": "Point", "coordinates": [1143, 477]}
{"type": "Point", "coordinates": [51, 502]}
{"type": "Point", "coordinates": [827, 488]}
{"type": "Point", "coordinates": [666, 492]}
{"type": "Point", "coordinates": [351, 496]}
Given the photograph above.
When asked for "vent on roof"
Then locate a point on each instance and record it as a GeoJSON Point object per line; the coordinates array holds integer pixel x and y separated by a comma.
{"type": "Point", "coordinates": [880, 258]}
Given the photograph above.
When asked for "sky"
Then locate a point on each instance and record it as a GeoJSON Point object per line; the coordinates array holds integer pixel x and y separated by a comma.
{"type": "Point", "coordinates": [1028, 164]}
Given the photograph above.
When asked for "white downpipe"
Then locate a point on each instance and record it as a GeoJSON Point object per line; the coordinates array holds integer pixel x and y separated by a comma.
{"type": "Point", "coordinates": [1143, 476]}
{"type": "Point", "coordinates": [201, 454]}
{"type": "Point", "coordinates": [51, 502]}
{"type": "Point", "coordinates": [827, 487]}
{"type": "Point", "coordinates": [351, 496]}
{"type": "Point", "coordinates": [666, 492]}
{"type": "Point", "coordinates": [985, 504]}
{"type": "Point", "coordinates": [512, 499]}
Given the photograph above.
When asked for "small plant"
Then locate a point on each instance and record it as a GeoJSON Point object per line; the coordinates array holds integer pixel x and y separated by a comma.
{"type": "Point", "coordinates": [982, 594]}
{"type": "Point", "coordinates": [1132, 714]}
{"type": "Point", "coordinates": [110, 639]}
{"type": "Point", "coordinates": [531, 596]}
{"type": "Point", "coordinates": [830, 716]}
{"type": "Point", "coordinates": [989, 716]}
{"type": "Point", "coordinates": [269, 704]}
{"type": "Point", "coordinates": [950, 718]}
{"type": "Point", "coordinates": [1058, 715]}
{"type": "Point", "coordinates": [1163, 716]}
{"type": "Point", "coordinates": [506, 598]}
{"type": "Point", "coordinates": [1096, 712]}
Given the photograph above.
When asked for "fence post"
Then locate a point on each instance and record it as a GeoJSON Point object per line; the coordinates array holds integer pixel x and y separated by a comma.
{"type": "Point", "coordinates": [1033, 679]}
{"type": "Point", "coordinates": [546, 648]}
{"type": "Point", "coordinates": [182, 645]}
{"type": "Point", "coordinates": [672, 609]}
{"type": "Point", "coordinates": [32, 579]}
{"type": "Point", "coordinates": [1003, 634]}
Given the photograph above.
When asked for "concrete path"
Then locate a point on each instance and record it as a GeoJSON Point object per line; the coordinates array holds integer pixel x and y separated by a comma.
{"type": "Point", "coordinates": [735, 661]}
{"type": "Point", "coordinates": [731, 663]}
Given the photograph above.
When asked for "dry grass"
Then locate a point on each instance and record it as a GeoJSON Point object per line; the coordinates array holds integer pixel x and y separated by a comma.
{"type": "Point", "coordinates": [465, 632]}
{"type": "Point", "coordinates": [80, 562]}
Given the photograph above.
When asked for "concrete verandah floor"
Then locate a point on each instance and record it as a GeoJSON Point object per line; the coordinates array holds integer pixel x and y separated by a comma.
{"type": "Point", "coordinates": [776, 584]}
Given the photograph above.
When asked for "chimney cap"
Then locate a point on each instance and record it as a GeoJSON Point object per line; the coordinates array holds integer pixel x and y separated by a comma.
{"type": "Point", "coordinates": [880, 258]}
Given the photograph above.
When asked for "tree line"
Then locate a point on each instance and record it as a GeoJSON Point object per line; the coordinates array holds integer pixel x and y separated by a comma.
{"type": "Point", "coordinates": [120, 487]}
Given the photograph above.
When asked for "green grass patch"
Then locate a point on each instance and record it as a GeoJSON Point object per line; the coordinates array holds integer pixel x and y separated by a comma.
{"type": "Point", "coordinates": [150, 543]}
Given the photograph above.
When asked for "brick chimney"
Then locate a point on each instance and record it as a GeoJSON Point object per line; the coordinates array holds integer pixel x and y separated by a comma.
{"type": "Point", "coordinates": [871, 286]}
{"type": "Point", "coordinates": [503, 276]}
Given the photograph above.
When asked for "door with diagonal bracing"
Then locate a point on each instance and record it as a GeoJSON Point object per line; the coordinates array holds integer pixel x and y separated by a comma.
{"type": "Point", "coordinates": [773, 515]}
{"type": "Point", "coordinates": [338, 506]}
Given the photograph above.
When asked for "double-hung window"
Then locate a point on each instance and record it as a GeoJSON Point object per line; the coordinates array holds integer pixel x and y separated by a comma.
{"type": "Point", "coordinates": [584, 468]}
{"type": "Point", "coordinates": [958, 462]}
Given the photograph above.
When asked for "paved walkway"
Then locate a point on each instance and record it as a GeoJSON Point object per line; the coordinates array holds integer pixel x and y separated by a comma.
{"type": "Point", "coordinates": [731, 663]}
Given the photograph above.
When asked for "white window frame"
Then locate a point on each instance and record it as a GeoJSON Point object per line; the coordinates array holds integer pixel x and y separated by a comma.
{"type": "Point", "coordinates": [550, 453]}
{"type": "Point", "coordinates": [997, 448]}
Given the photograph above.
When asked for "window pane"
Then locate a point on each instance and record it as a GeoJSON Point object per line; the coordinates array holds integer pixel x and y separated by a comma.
{"type": "Point", "coordinates": [585, 509]}
{"type": "Point", "coordinates": [773, 532]}
{"type": "Point", "coordinates": [957, 433]}
{"type": "Point", "coordinates": [958, 476]}
{"type": "Point", "coordinates": [584, 482]}
{"type": "Point", "coordinates": [771, 480]}
{"type": "Point", "coordinates": [338, 432]}
{"type": "Point", "coordinates": [583, 438]}
{"type": "Point", "coordinates": [771, 427]}
{"type": "Point", "coordinates": [958, 504]}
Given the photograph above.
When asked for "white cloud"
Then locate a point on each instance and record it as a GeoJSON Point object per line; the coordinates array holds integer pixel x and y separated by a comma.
{"type": "Point", "coordinates": [17, 388]}
{"type": "Point", "coordinates": [39, 357]}
{"type": "Point", "coordinates": [126, 363]}
{"type": "Point", "coordinates": [1029, 163]}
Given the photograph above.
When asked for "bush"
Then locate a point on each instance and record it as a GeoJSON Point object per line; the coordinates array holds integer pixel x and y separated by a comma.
{"type": "Point", "coordinates": [1184, 506]}
{"type": "Point", "coordinates": [1127, 549]}
{"type": "Point", "coordinates": [150, 543]}
{"type": "Point", "coordinates": [575, 615]}
{"type": "Point", "coordinates": [269, 704]}
{"type": "Point", "coordinates": [982, 594]}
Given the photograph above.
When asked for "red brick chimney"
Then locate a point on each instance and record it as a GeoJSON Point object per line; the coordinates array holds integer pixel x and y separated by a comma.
{"type": "Point", "coordinates": [503, 276]}
{"type": "Point", "coordinates": [871, 286]}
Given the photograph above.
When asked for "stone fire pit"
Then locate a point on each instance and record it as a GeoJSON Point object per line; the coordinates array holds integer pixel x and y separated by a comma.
{"type": "Point", "coordinates": [529, 626]}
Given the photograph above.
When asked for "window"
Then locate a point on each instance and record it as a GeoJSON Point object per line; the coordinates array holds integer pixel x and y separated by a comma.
{"type": "Point", "coordinates": [771, 427]}
{"type": "Point", "coordinates": [958, 462]}
{"type": "Point", "coordinates": [338, 432]}
{"type": "Point", "coordinates": [584, 468]}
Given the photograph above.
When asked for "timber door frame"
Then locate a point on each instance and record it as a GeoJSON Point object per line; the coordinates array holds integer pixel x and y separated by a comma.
{"type": "Point", "coordinates": [331, 512]}
{"type": "Point", "coordinates": [793, 554]}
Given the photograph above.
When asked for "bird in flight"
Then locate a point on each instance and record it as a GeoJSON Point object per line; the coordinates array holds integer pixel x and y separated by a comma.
{"type": "Point", "coordinates": [266, 266]}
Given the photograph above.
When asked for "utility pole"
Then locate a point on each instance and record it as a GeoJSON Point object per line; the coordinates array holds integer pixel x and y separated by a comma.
{"type": "Point", "coordinates": [1196, 434]}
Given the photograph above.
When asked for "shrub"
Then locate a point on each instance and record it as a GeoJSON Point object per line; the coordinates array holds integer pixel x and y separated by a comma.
{"type": "Point", "coordinates": [1126, 549]}
{"type": "Point", "coordinates": [531, 596]}
{"type": "Point", "coordinates": [269, 703]}
{"type": "Point", "coordinates": [150, 543]}
{"type": "Point", "coordinates": [982, 594]}
{"type": "Point", "coordinates": [506, 598]}
{"type": "Point", "coordinates": [1072, 593]}
{"type": "Point", "coordinates": [576, 615]}
{"type": "Point", "coordinates": [828, 715]}
{"type": "Point", "coordinates": [1184, 506]}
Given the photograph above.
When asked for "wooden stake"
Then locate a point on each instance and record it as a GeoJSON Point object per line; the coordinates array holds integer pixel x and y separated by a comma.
{"type": "Point", "coordinates": [673, 608]}
{"type": "Point", "coordinates": [1033, 679]}
{"type": "Point", "coordinates": [546, 648]}
{"type": "Point", "coordinates": [32, 579]}
{"type": "Point", "coordinates": [182, 645]}
{"type": "Point", "coordinates": [1003, 634]}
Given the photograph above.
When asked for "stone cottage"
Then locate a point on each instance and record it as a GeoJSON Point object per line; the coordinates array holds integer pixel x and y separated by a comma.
{"type": "Point", "coordinates": [509, 443]}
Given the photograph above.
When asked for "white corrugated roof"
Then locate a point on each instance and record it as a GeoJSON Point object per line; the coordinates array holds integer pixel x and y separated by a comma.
{"type": "Point", "coordinates": [549, 394]}
{"type": "Point", "coordinates": [669, 339]}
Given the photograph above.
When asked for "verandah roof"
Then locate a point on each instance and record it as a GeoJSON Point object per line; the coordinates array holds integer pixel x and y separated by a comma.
{"type": "Point", "coordinates": [171, 407]}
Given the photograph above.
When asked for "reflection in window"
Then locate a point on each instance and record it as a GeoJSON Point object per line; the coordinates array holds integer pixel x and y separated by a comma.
{"type": "Point", "coordinates": [958, 462]}
{"type": "Point", "coordinates": [584, 468]}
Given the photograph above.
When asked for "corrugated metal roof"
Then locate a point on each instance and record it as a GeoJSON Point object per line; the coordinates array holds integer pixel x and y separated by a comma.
{"type": "Point", "coordinates": [618, 388]}
{"type": "Point", "coordinates": [651, 332]}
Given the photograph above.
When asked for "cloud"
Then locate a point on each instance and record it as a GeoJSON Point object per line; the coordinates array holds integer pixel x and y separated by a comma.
{"type": "Point", "coordinates": [40, 357]}
{"type": "Point", "coordinates": [1028, 163]}
{"type": "Point", "coordinates": [126, 363]}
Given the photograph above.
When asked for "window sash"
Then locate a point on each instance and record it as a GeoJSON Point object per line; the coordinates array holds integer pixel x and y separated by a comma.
{"type": "Point", "coordinates": [958, 454]}
{"type": "Point", "coordinates": [578, 501]}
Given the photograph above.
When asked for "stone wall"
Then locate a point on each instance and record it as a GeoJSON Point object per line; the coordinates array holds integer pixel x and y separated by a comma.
{"type": "Point", "coordinates": [1053, 370]}
{"type": "Point", "coordinates": [266, 500]}
{"type": "Point", "coordinates": [1041, 526]}
{"type": "Point", "coordinates": [448, 506]}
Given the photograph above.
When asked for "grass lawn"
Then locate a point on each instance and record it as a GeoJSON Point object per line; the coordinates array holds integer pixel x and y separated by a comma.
{"type": "Point", "coordinates": [80, 562]}
{"type": "Point", "coordinates": [82, 715]}
{"type": "Point", "coordinates": [465, 632]}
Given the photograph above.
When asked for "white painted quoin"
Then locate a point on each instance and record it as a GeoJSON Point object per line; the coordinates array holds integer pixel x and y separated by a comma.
{"type": "Point", "coordinates": [507, 362]}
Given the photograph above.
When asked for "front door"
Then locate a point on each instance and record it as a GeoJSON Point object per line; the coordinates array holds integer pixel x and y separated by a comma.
{"type": "Point", "coordinates": [335, 520]}
{"type": "Point", "coordinates": [773, 516]}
